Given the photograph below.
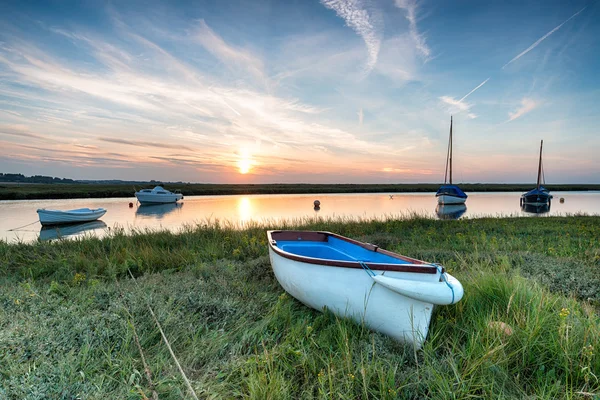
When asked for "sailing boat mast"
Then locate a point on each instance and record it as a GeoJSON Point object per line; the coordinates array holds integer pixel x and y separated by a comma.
{"type": "Point", "coordinates": [451, 150]}
{"type": "Point", "coordinates": [539, 166]}
{"type": "Point", "coordinates": [449, 156]}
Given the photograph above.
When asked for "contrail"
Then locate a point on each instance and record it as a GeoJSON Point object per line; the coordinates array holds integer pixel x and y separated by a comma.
{"type": "Point", "coordinates": [533, 46]}
{"type": "Point", "coordinates": [480, 85]}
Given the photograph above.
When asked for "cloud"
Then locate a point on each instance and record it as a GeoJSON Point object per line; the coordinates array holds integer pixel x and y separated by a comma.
{"type": "Point", "coordinates": [457, 105]}
{"type": "Point", "coordinates": [540, 40]}
{"type": "Point", "coordinates": [232, 57]}
{"type": "Point", "coordinates": [461, 105]}
{"type": "Point", "coordinates": [141, 143]}
{"type": "Point", "coordinates": [527, 105]}
{"type": "Point", "coordinates": [367, 24]}
{"type": "Point", "coordinates": [360, 116]}
{"type": "Point", "coordinates": [410, 6]}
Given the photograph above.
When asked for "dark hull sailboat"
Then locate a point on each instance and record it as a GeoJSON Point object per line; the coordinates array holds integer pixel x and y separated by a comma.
{"type": "Point", "coordinates": [449, 193]}
{"type": "Point", "coordinates": [540, 195]}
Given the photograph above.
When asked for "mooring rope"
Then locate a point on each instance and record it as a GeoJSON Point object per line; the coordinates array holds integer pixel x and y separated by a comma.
{"type": "Point", "coordinates": [367, 269]}
{"type": "Point", "coordinates": [443, 276]}
{"type": "Point", "coordinates": [187, 382]}
{"type": "Point", "coordinates": [16, 229]}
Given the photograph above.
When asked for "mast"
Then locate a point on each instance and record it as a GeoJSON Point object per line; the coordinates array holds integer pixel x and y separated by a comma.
{"type": "Point", "coordinates": [539, 166]}
{"type": "Point", "coordinates": [451, 150]}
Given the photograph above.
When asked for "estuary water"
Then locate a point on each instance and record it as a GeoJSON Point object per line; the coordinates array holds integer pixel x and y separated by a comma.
{"type": "Point", "coordinates": [19, 220]}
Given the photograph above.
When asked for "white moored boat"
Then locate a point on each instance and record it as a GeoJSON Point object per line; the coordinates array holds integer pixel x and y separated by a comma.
{"type": "Point", "coordinates": [390, 293]}
{"type": "Point", "coordinates": [158, 195]}
{"type": "Point", "coordinates": [55, 217]}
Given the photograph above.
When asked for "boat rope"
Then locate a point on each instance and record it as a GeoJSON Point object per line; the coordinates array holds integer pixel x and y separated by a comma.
{"type": "Point", "coordinates": [16, 229]}
{"type": "Point", "coordinates": [443, 276]}
{"type": "Point", "coordinates": [368, 270]}
{"type": "Point", "coordinates": [187, 382]}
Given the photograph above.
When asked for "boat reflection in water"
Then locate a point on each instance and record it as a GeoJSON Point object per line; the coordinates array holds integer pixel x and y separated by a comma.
{"type": "Point", "coordinates": [156, 211]}
{"type": "Point", "coordinates": [535, 208]}
{"type": "Point", "coordinates": [450, 211]}
{"type": "Point", "coordinates": [57, 232]}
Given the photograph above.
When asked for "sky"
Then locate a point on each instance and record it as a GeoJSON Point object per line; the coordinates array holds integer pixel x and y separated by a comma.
{"type": "Point", "coordinates": [330, 91]}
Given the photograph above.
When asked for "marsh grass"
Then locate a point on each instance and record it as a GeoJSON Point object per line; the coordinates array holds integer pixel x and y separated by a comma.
{"type": "Point", "coordinates": [528, 326]}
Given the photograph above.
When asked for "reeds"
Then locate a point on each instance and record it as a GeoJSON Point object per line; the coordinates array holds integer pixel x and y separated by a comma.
{"type": "Point", "coordinates": [528, 326]}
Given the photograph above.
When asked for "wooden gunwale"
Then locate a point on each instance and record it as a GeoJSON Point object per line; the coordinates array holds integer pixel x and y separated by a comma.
{"type": "Point", "coordinates": [415, 266]}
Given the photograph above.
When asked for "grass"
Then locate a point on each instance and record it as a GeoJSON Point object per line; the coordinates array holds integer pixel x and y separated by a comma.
{"type": "Point", "coordinates": [528, 326]}
{"type": "Point", "coordinates": [28, 191]}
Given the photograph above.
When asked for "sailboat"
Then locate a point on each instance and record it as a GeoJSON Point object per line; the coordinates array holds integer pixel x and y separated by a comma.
{"type": "Point", "coordinates": [540, 195]}
{"type": "Point", "coordinates": [449, 193]}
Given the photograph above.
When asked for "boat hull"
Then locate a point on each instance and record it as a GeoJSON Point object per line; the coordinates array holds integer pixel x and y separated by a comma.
{"type": "Point", "coordinates": [59, 217]}
{"type": "Point", "coordinates": [536, 199]}
{"type": "Point", "coordinates": [151, 198]}
{"type": "Point", "coordinates": [449, 199]}
{"type": "Point", "coordinates": [351, 292]}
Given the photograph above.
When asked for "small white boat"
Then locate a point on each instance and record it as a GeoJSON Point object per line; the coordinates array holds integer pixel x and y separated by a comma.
{"type": "Point", "coordinates": [158, 195]}
{"type": "Point", "coordinates": [389, 293]}
{"type": "Point", "coordinates": [56, 217]}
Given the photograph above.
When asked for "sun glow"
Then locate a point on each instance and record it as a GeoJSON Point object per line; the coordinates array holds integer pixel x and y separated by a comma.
{"type": "Point", "coordinates": [245, 162]}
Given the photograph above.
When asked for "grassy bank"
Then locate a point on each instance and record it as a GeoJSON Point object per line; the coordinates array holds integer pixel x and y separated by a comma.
{"type": "Point", "coordinates": [527, 327]}
{"type": "Point", "coordinates": [31, 191]}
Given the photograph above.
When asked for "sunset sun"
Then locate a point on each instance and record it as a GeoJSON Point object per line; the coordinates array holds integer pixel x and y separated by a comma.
{"type": "Point", "coordinates": [245, 162]}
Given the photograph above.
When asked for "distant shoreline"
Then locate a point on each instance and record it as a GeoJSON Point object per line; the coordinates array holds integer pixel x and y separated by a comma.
{"type": "Point", "coordinates": [41, 191]}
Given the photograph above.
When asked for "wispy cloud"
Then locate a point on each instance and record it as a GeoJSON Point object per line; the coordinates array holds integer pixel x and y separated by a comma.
{"type": "Point", "coordinates": [366, 23]}
{"type": "Point", "coordinates": [461, 105]}
{"type": "Point", "coordinates": [360, 116]}
{"type": "Point", "coordinates": [527, 105]}
{"type": "Point", "coordinates": [410, 7]}
{"type": "Point", "coordinates": [233, 58]}
{"type": "Point", "coordinates": [540, 40]}
{"type": "Point", "coordinates": [141, 143]}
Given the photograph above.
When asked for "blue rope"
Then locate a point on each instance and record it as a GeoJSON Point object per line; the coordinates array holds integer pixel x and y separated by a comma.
{"type": "Point", "coordinates": [443, 276]}
{"type": "Point", "coordinates": [366, 268]}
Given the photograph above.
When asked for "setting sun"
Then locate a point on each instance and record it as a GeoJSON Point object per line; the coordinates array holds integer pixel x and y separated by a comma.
{"type": "Point", "coordinates": [244, 165]}
{"type": "Point", "coordinates": [245, 162]}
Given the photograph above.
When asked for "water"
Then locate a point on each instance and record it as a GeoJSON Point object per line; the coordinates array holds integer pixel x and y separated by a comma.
{"type": "Point", "coordinates": [273, 208]}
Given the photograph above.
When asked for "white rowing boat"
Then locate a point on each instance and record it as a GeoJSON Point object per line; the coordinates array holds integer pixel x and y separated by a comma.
{"type": "Point", "coordinates": [56, 217]}
{"type": "Point", "coordinates": [389, 293]}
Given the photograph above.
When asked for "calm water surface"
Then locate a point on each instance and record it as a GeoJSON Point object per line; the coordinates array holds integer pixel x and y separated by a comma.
{"type": "Point", "coordinates": [242, 209]}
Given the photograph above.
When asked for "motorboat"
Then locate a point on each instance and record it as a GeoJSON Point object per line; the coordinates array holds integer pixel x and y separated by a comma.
{"type": "Point", "coordinates": [57, 217]}
{"type": "Point", "coordinates": [158, 195]}
{"type": "Point", "coordinates": [388, 292]}
{"type": "Point", "coordinates": [449, 193]}
{"type": "Point", "coordinates": [540, 195]}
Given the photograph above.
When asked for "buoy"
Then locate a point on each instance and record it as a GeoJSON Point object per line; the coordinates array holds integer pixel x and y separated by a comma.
{"type": "Point", "coordinates": [317, 204]}
{"type": "Point", "coordinates": [562, 199]}
{"type": "Point", "coordinates": [130, 204]}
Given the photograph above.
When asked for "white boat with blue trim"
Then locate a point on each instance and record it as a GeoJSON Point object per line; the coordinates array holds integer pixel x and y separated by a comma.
{"type": "Point", "coordinates": [388, 292]}
{"type": "Point", "coordinates": [158, 195]}
{"type": "Point", "coordinates": [57, 217]}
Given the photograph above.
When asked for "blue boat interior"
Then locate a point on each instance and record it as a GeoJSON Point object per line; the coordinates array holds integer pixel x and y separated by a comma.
{"type": "Point", "coordinates": [336, 249]}
{"type": "Point", "coordinates": [451, 190]}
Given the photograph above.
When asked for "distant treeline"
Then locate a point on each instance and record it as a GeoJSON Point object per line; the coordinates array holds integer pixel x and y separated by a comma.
{"type": "Point", "coordinates": [104, 190]}
{"type": "Point", "coordinates": [20, 178]}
